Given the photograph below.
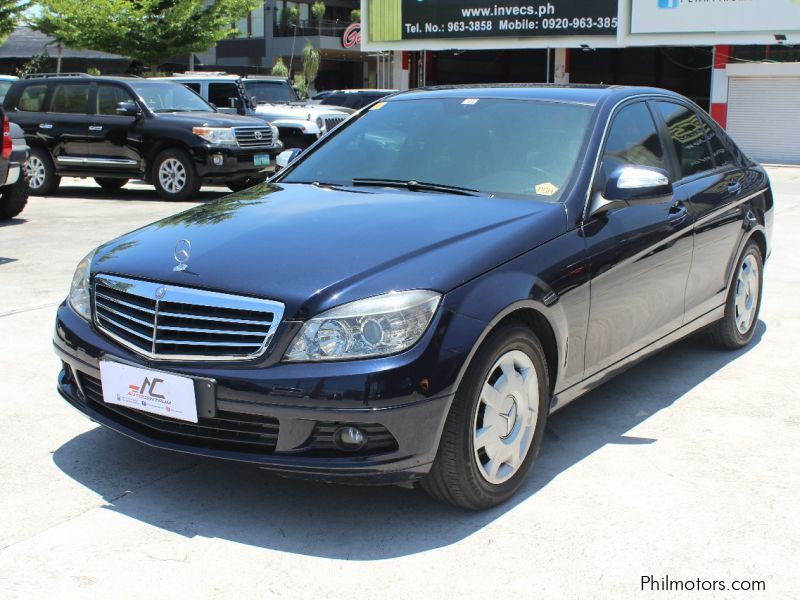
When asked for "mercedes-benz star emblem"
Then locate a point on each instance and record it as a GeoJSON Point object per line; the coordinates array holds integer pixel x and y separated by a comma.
{"type": "Point", "coordinates": [183, 250]}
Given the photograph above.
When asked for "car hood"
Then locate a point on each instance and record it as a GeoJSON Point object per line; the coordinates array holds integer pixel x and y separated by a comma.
{"type": "Point", "coordinates": [295, 111]}
{"type": "Point", "coordinates": [314, 248]}
{"type": "Point", "coordinates": [211, 119]}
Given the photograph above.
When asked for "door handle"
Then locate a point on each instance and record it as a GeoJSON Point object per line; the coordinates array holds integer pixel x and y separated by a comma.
{"type": "Point", "coordinates": [734, 187]}
{"type": "Point", "coordinates": [95, 128]}
{"type": "Point", "coordinates": [45, 125]}
{"type": "Point", "coordinates": [677, 214]}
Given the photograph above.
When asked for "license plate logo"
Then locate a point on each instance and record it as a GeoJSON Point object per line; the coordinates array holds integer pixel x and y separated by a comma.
{"type": "Point", "coordinates": [149, 391]}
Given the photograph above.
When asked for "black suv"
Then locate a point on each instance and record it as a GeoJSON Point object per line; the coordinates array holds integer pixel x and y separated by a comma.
{"type": "Point", "coordinates": [118, 128]}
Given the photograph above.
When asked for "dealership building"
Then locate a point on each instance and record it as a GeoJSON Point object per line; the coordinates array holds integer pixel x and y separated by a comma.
{"type": "Point", "coordinates": [738, 59]}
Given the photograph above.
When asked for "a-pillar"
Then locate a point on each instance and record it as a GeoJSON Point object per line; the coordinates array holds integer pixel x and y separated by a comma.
{"type": "Point", "coordinates": [719, 85]}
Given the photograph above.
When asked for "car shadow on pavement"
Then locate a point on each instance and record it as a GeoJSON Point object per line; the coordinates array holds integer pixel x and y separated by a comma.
{"type": "Point", "coordinates": [136, 193]}
{"type": "Point", "coordinates": [216, 499]}
{"type": "Point", "coordinates": [10, 222]}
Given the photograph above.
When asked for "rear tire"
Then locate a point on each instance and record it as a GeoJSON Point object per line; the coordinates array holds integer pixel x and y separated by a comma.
{"type": "Point", "coordinates": [737, 328]}
{"type": "Point", "coordinates": [41, 173]}
{"type": "Point", "coordinates": [13, 198]}
{"type": "Point", "coordinates": [174, 175]}
{"type": "Point", "coordinates": [496, 424]}
{"type": "Point", "coordinates": [109, 183]}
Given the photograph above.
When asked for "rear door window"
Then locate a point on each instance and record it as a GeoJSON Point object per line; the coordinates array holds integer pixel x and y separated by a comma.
{"type": "Point", "coordinates": [32, 98]}
{"type": "Point", "coordinates": [71, 98]}
{"type": "Point", "coordinates": [220, 94]}
{"type": "Point", "coordinates": [688, 134]}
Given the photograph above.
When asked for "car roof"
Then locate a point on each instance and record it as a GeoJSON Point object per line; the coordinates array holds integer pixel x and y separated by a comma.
{"type": "Point", "coordinates": [360, 91]}
{"type": "Point", "coordinates": [579, 93]}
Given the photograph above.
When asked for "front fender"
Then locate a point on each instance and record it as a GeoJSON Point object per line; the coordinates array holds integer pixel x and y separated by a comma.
{"type": "Point", "coordinates": [307, 127]}
{"type": "Point", "coordinates": [537, 281]}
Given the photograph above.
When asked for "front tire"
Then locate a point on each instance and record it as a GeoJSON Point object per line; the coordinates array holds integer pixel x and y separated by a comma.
{"type": "Point", "coordinates": [496, 423]}
{"type": "Point", "coordinates": [737, 328]}
{"type": "Point", "coordinates": [174, 175]}
{"type": "Point", "coordinates": [13, 199]}
{"type": "Point", "coordinates": [110, 184]}
{"type": "Point", "coordinates": [41, 173]}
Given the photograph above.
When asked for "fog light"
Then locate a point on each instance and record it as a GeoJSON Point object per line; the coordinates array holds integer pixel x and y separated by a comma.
{"type": "Point", "coordinates": [218, 159]}
{"type": "Point", "coordinates": [349, 438]}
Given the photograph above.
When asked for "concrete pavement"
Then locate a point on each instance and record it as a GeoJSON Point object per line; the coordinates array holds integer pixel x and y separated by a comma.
{"type": "Point", "coordinates": [687, 466]}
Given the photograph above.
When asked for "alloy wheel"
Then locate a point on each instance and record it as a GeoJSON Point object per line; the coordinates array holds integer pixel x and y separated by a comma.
{"type": "Point", "coordinates": [172, 175]}
{"type": "Point", "coordinates": [506, 417]}
{"type": "Point", "coordinates": [35, 170]}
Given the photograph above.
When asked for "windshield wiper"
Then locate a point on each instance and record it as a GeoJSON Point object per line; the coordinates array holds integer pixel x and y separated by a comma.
{"type": "Point", "coordinates": [416, 186]}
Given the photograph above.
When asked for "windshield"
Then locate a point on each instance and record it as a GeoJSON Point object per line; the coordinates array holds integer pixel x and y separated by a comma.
{"type": "Point", "coordinates": [270, 91]}
{"type": "Point", "coordinates": [517, 148]}
{"type": "Point", "coordinates": [163, 97]}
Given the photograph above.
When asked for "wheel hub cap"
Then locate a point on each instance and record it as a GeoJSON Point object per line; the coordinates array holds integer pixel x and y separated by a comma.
{"type": "Point", "coordinates": [506, 417]}
{"type": "Point", "coordinates": [746, 295]}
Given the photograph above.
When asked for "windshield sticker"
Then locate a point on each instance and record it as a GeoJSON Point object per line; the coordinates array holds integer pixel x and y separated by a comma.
{"type": "Point", "coordinates": [546, 189]}
{"type": "Point", "coordinates": [470, 101]}
{"type": "Point", "coordinates": [378, 106]}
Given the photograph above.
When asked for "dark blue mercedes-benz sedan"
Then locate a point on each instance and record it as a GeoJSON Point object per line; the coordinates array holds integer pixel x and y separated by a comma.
{"type": "Point", "coordinates": [414, 294]}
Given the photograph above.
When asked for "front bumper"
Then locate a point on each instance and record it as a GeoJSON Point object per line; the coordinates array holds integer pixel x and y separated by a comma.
{"type": "Point", "coordinates": [229, 163]}
{"type": "Point", "coordinates": [282, 430]}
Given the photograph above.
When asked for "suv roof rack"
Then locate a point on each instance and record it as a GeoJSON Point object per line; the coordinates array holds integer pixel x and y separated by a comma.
{"type": "Point", "coordinates": [206, 74]}
{"type": "Point", "coordinates": [50, 75]}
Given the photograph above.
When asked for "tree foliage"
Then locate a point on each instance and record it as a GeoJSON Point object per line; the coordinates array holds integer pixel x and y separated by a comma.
{"type": "Point", "coordinates": [311, 62]}
{"type": "Point", "coordinates": [279, 68]}
{"type": "Point", "coordinates": [355, 15]}
{"type": "Point", "coordinates": [318, 10]}
{"type": "Point", "coordinates": [10, 13]}
{"type": "Point", "coordinates": [150, 31]}
{"type": "Point", "coordinates": [39, 63]}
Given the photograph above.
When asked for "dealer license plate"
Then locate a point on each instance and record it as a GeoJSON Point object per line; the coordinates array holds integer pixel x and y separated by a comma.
{"type": "Point", "coordinates": [150, 391]}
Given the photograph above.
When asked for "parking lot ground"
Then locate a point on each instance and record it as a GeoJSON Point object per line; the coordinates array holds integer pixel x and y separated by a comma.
{"type": "Point", "coordinates": [687, 467]}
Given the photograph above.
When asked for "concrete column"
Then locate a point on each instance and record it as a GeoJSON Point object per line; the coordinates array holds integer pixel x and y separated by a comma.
{"type": "Point", "coordinates": [719, 84]}
{"type": "Point", "coordinates": [270, 10]}
{"type": "Point", "coordinates": [561, 66]}
{"type": "Point", "coordinates": [400, 70]}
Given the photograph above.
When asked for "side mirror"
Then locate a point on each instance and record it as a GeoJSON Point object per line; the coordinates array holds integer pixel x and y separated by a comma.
{"type": "Point", "coordinates": [633, 185]}
{"type": "Point", "coordinates": [128, 109]}
{"type": "Point", "coordinates": [287, 156]}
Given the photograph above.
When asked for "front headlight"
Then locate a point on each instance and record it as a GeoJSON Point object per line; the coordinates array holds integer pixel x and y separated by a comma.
{"type": "Point", "coordinates": [275, 133]}
{"type": "Point", "coordinates": [321, 124]}
{"type": "Point", "coordinates": [79, 293]}
{"type": "Point", "coordinates": [376, 326]}
{"type": "Point", "coordinates": [216, 135]}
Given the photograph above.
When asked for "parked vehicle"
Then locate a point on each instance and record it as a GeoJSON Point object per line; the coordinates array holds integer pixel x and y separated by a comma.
{"type": "Point", "coordinates": [273, 99]}
{"type": "Point", "coordinates": [116, 128]}
{"type": "Point", "coordinates": [355, 99]}
{"type": "Point", "coordinates": [13, 186]}
{"type": "Point", "coordinates": [5, 85]}
{"type": "Point", "coordinates": [412, 296]}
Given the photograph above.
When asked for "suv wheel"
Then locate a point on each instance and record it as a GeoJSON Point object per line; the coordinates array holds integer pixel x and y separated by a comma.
{"type": "Point", "coordinates": [109, 183]}
{"type": "Point", "coordinates": [13, 199]}
{"type": "Point", "coordinates": [174, 175]}
{"type": "Point", "coordinates": [496, 423]}
{"type": "Point", "coordinates": [41, 173]}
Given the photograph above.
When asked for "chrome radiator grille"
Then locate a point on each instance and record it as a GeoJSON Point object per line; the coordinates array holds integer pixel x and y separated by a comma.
{"type": "Point", "coordinates": [170, 322]}
{"type": "Point", "coordinates": [254, 137]}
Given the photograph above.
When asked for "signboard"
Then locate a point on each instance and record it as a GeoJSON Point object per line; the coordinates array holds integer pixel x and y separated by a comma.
{"type": "Point", "coordinates": [352, 36]}
{"type": "Point", "coordinates": [397, 20]}
{"type": "Point", "coordinates": [691, 16]}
